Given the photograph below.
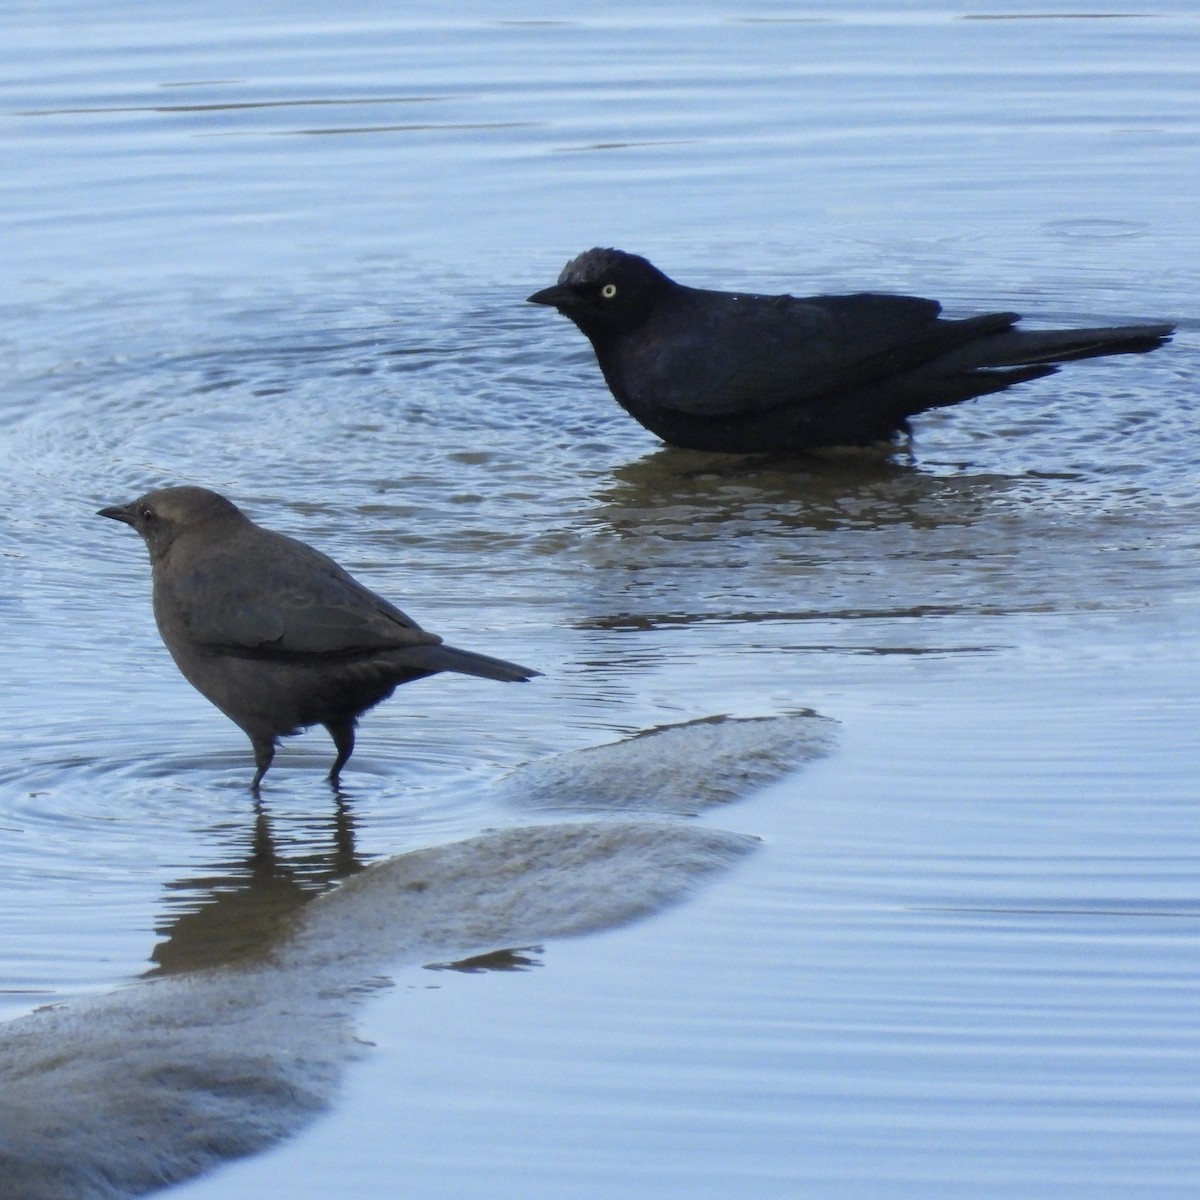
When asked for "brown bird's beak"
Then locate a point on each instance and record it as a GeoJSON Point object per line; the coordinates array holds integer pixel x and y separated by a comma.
{"type": "Point", "coordinates": [118, 512]}
{"type": "Point", "coordinates": [557, 296]}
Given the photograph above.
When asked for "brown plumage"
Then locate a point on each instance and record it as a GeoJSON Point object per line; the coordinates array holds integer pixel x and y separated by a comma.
{"type": "Point", "coordinates": [273, 632]}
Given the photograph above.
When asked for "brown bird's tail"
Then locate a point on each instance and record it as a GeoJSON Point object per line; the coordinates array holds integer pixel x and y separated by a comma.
{"type": "Point", "coordinates": [466, 662]}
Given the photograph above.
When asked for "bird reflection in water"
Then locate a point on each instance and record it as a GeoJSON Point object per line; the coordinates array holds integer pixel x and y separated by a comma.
{"type": "Point", "coordinates": [694, 496]}
{"type": "Point", "coordinates": [518, 958]}
{"type": "Point", "coordinates": [238, 910]}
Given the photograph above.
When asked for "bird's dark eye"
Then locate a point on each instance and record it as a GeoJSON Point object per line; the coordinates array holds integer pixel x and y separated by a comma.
{"type": "Point", "coordinates": [146, 513]}
{"type": "Point", "coordinates": [608, 291]}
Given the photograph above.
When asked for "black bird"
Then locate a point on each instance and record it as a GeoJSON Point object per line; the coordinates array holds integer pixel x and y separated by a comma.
{"type": "Point", "coordinates": [753, 374]}
{"type": "Point", "coordinates": [273, 632]}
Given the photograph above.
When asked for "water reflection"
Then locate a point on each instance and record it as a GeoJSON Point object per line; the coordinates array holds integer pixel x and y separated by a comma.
{"type": "Point", "coordinates": [518, 958]}
{"type": "Point", "coordinates": [238, 909]}
{"type": "Point", "coordinates": [681, 539]}
{"type": "Point", "coordinates": [691, 495]}
{"type": "Point", "coordinates": [246, 1042]}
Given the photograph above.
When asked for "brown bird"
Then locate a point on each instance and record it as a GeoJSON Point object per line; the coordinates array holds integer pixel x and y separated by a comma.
{"type": "Point", "coordinates": [273, 632]}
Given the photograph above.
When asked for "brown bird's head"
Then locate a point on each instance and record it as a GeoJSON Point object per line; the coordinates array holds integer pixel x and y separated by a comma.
{"type": "Point", "coordinates": [161, 516]}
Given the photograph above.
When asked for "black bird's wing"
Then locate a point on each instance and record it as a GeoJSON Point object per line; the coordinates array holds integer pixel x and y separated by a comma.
{"type": "Point", "coordinates": [717, 353]}
{"type": "Point", "coordinates": [267, 595]}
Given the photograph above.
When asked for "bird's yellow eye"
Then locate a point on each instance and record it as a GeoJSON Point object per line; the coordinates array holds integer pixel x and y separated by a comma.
{"type": "Point", "coordinates": [608, 291]}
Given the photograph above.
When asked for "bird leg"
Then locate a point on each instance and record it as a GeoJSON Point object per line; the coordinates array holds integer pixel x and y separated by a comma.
{"type": "Point", "coordinates": [264, 753]}
{"type": "Point", "coordinates": [342, 733]}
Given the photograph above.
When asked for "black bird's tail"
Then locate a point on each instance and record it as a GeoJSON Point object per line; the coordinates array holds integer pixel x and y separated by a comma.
{"type": "Point", "coordinates": [465, 662]}
{"type": "Point", "coordinates": [991, 355]}
{"type": "Point", "coordinates": [1034, 347]}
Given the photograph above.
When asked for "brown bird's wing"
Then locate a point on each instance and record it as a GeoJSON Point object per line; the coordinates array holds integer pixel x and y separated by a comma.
{"type": "Point", "coordinates": [266, 595]}
{"type": "Point", "coordinates": [748, 353]}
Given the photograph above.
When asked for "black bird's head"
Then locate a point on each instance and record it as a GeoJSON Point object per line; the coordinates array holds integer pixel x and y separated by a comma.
{"type": "Point", "coordinates": [607, 292]}
{"type": "Point", "coordinates": [161, 516]}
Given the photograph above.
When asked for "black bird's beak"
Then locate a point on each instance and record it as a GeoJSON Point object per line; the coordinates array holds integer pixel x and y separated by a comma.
{"type": "Point", "coordinates": [558, 296]}
{"type": "Point", "coordinates": [118, 512]}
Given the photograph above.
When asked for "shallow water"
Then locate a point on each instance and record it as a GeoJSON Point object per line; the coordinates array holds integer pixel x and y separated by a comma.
{"type": "Point", "coordinates": [285, 253]}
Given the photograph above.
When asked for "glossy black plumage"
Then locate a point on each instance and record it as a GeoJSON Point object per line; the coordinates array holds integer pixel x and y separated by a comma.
{"type": "Point", "coordinates": [275, 633]}
{"type": "Point", "coordinates": [747, 373]}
